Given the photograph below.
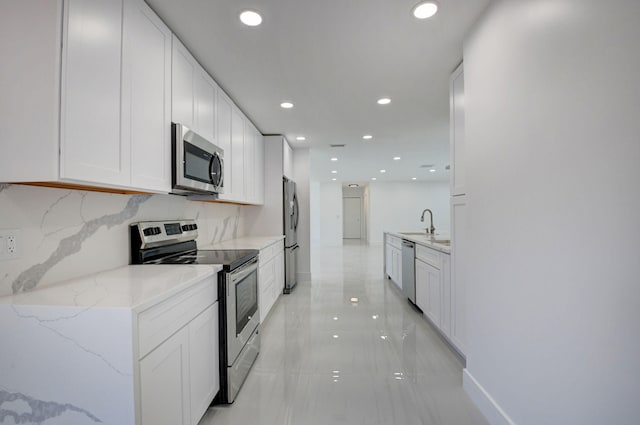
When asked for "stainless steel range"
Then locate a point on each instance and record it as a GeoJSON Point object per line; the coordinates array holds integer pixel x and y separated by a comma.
{"type": "Point", "coordinates": [173, 242]}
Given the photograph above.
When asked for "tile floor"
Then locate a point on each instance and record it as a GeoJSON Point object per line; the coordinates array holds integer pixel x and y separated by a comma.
{"type": "Point", "coordinates": [326, 360]}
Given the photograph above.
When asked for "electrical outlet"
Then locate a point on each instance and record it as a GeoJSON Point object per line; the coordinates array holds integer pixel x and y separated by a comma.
{"type": "Point", "coordinates": [9, 244]}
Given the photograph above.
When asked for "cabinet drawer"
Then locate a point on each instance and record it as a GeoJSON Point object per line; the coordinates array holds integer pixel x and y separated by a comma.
{"type": "Point", "coordinates": [429, 256]}
{"type": "Point", "coordinates": [266, 254]}
{"type": "Point", "coordinates": [158, 323]}
{"type": "Point", "coordinates": [394, 241]}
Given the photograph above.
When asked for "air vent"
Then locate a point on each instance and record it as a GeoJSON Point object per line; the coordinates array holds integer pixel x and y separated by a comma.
{"type": "Point", "coordinates": [427, 166]}
{"type": "Point", "coordinates": [337, 146]}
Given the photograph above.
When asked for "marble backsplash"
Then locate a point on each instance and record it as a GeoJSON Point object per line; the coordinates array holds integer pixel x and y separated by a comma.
{"type": "Point", "coordinates": [69, 233]}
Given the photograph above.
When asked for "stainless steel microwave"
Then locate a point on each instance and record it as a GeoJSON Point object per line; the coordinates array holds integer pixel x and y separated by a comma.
{"type": "Point", "coordinates": [198, 164]}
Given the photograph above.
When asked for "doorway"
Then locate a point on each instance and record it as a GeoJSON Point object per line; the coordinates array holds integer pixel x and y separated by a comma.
{"type": "Point", "coordinates": [352, 218]}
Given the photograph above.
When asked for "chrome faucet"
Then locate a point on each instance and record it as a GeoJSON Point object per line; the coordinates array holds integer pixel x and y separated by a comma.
{"type": "Point", "coordinates": [431, 229]}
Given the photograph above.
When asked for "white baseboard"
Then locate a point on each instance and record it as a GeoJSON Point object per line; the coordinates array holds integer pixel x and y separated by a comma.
{"type": "Point", "coordinates": [303, 277]}
{"type": "Point", "coordinates": [487, 405]}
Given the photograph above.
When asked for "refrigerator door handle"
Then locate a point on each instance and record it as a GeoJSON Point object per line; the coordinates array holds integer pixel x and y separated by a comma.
{"type": "Point", "coordinates": [296, 210]}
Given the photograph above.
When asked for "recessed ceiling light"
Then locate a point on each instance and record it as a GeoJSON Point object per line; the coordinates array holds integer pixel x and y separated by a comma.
{"type": "Point", "coordinates": [354, 299]}
{"type": "Point", "coordinates": [367, 137]}
{"type": "Point", "coordinates": [396, 158]}
{"type": "Point", "coordinates": [383, 337]}
{"type": "Point", "coordinates": [286, 105]}
{"type": "Point", "coordinates": [383, 171]}
{"type": "Point", "coordinates": [336, 336]}
{"type": "Point", "coordinates": [353, 185]}
{"type": "Point", "coordinates": [250, 18]}
{"type": "Point", "coordinates": [334, 159]}
{"type": "Point", "coordinates": [301, 138]}
{"type": "Point", "coordinates": [384, 101]}
{"type": "Point", "coordinates": [334, 171]}
{"type": "Point", "coordinates": [373, 178]}
{"type": "Point", "coordinates": [334, 179]}
{"type": "Point", "coordinates": [425, 9]}
{"type": "Point", "coordinates": [414, 178]}
{"type": "Point", "coordinates": [335, 318]}
{"type": "Point", "coordinates": [432, 170]}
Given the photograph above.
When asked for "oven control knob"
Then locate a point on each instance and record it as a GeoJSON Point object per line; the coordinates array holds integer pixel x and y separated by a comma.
{"type": "Point", "coordinates": [185, 228]}
{"type": "Point", "coordinates": [156, 230]}
{"type": "Point", "coordinates": [195, 227]}
{"type": "Point", "coordinates": [148, 231]}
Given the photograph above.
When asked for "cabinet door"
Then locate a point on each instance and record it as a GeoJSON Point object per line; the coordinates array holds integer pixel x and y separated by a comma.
{"type": "Point", "coordinates": [90, 143]}
{"type": "Point", "coordinates": [223, 110]}
{"type": "Point", "coordinates": [146, 97]}
{"type": "Point", "coordinates": [203, 361]}
{"type": "Point", "coordinates": [164, 383]}
{"type": "Point", "coordinates": [397, 266]}
{"type": "Point", "coordinates": [458, 278]}
{"type": "Point", "coordinates": [183, 71]}
{"type": "Point", "coordinates": [278, 284]}
{"type": "Point", "coordinates": [249, 163]}
{"type": "Point", "coordinates": [259, 164]}
{"type": "Point", "coordinates": [205, 105]}
{"type": "Point", "coordinates": [266, 279]}
{"type": "Point", "coordinates": [457, 131]}
{"type": "Point", "coordinates": [428, 290]}
{"type": "Point", "coordinates": [237, 154]}
{"type": "Point", "coordinates": [445, 313]}
{"type": "Point", "coordinates": [388, 259]}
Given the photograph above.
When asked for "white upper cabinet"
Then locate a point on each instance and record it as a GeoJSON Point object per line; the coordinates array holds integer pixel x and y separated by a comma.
{"type": "Point", "coordinates": [249, 162]}
{"type": "Point", "coordinates": [457, 131]}
{"type": "Point", "coordinates": [183, 71]}
{"type": "Point", "coordinates": [146, 96]}
{"type": "Point", "coordinates": [91, 149]}
{"type": "Point", "coordinates": [237, 156]}
{"type": "Point", "coordinates": [194, 94]}
{"type": "Point", "coordinates": [206, 91]}
{"type": "Point", "coordinates": [224, 106]}
{"type": "Point", "coordinates": [259, 174]}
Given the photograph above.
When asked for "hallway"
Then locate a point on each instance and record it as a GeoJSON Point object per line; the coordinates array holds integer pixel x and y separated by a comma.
{"type": "Point", "coordinates": [347, 348]}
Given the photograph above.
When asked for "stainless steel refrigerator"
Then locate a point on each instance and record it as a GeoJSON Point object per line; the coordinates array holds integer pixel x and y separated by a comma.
{"type": "Point", "coordinates": [291, 217]}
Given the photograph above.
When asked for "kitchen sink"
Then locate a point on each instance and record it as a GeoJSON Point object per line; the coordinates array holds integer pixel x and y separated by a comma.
{"type": "Point", "coordinates": [414, 233]}
{"type": "Point", "coordinates": [442, 241]}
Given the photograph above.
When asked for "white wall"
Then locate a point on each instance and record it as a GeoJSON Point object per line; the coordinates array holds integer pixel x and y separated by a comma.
{"type": "Point", "coordinates": [301, 169]}
{"type": "Point", "coordinates": [70, 233]}
{"type": "Point", "coordinates": [329, 210]}
{"type": "Point", "coordinates": [552, 130]}
{"type": "Point", "coordinates": [397, 206]}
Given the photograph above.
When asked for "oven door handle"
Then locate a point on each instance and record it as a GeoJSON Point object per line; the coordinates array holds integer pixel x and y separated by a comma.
{"type": "Point", "coordinates": [244, 271]}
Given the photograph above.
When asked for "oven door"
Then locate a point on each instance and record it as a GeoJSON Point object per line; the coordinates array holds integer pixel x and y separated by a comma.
{"type": "Point", "coordinates": [198, 163]}
{"type": "Point", "coordinates": [242, 307]}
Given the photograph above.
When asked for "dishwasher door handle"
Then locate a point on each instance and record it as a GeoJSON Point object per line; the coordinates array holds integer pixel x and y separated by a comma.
{"type": "Point", "coordinates": [408, 244]}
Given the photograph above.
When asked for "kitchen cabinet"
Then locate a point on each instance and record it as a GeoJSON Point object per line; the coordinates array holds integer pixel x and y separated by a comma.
{"type": "Point", "coordinates": [459, 257]}
{"type": "Point", "coordinates": [98, 79]}
{"type": "Point", "coordinates": [164, 383]}
{"type": "Point", "coordinates": [147, 335]}
{"type": "Point", "coordinates": [237, 156]}
{"type": "Point", "coordinates": [224, 106]}
{"type": "Point", "coordinates": [146, 96]}
{"type": "Point", "coordinates": [457, 131]}
{"type": "Point", "coordinates": [194, 93]}
{"type": "Point", "coordinates": [428, 290]}
{"type": "Point", "coordinates": [393, 259]}
{"type": "Point", "coordinates": [90, 128]}
{"type": "Point", "coordinates": [249, 162]}
{"type": "Point", "coordinates": [270, 276]}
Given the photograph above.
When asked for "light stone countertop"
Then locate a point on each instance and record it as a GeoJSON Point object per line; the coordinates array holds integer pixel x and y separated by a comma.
{"type": "Point", "coordinates": [425, 240]}
{"type": "Point", "coordinates": [133, 287]}
{"type": "Point", "coordinates": [256, 242]}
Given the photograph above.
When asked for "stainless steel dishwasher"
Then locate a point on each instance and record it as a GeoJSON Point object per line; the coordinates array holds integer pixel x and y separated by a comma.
{"type": "Point", "coordinates": [409, 270]}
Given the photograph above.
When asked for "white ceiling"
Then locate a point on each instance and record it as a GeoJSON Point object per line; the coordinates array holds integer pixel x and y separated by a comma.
{"type": "Point", "coordinates": [333, 59]}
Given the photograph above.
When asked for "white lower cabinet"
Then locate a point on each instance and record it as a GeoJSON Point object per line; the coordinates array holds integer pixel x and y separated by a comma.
{"type": "Point", "coordinates": [458, 278]}
{"type": "Point", "coordinates": [270, 276]}
{"type": "Point", "coordinates": [393, 259]}
{"type": "Point", "coordinates": [204, 373]}
{"type": "Point", "coordinates": [178, 349]}
{"type": "Point", "coordinates": [439, 295]}
{"type": "Point", "coordinates": [164, 383]}
{"type": "Point", "coordinates": [428, 283]}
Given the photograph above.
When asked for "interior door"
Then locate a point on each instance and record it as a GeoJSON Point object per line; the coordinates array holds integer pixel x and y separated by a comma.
{"type": "Point", "coordinates": [351, 218]}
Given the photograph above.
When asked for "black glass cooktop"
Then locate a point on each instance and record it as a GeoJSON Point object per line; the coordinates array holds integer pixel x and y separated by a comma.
{"type": "Point", "coordinates": [229, 259]}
